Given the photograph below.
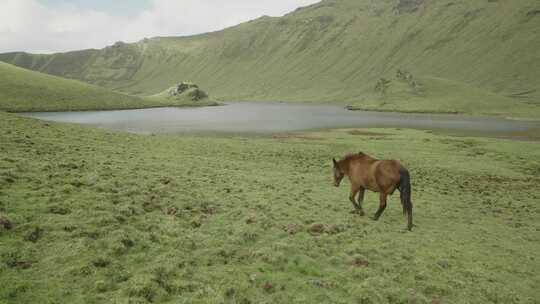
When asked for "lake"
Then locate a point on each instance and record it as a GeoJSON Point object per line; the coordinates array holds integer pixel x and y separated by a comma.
{"type": "Point", "coordinates": [274, 118]}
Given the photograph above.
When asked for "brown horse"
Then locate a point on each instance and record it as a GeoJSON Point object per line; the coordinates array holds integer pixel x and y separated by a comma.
{"type": "Point", "coordinates": [382, 176]}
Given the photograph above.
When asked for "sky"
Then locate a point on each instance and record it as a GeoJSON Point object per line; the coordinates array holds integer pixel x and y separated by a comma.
{"type": "Point", "coordinates": [47, 26]}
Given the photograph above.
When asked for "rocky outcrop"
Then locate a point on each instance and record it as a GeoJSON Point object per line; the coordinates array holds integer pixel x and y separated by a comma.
{"type": "Point", "coordinates": [197, 94]}
{"type": "Point", "coordinates": [182, 87]}
{"type": "Point", "coordinates": [188, 88]}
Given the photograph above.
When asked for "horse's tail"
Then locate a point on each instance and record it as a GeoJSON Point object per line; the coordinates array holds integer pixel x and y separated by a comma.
{"type": "Point", "coordinates": [405, 195]}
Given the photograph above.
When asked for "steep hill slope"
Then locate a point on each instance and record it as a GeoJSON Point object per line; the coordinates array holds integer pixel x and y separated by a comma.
{"type": "Point", "coordinates": [337, 51]}
{"type": "Point", "coordinates": [25, 90]}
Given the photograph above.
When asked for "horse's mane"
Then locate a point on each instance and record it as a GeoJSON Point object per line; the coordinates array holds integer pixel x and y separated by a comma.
{"type": "Point", "coordinates": [349, 158]}
{"type": "Point", "coordinates": [354, 156]}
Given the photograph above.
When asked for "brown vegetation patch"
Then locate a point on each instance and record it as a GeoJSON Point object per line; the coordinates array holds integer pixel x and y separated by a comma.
{"type": "Point", "coordinates": [23, 264]}
{"type": "Point", "coordinates": [101, 262]}
{"type": "Point", "coordinates": [292, 229]}
{"type": "Point", "coordinates": [359, 261]}
{"type": "Point", "coordinates": [172, 211]}
{"type": "Point", "coordinates": [316, 229]}
{"type": "Point", "coordinates": [307, 136]}
{"type": "Point", "coordinates": [268, 287]}
{"type": "Point", "coordinates": [365, 133]}
{"type": "Point", "coordinates": [251, 219]}
{"type": "Point", "coordinates": [60, 210]}
{"type": "Point", "coordinates": [534, 12]}
{"type": "Point", "coordinates": [335, 229]}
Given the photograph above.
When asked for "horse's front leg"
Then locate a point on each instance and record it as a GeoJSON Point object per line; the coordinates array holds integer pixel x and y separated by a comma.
{"type": "Point", "coordinates": [352, 198]}
{"type": "Point", "coordinates": [361, 193]}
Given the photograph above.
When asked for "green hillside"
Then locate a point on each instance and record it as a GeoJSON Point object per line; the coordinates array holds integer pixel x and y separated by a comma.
{"type": "Point", "coordinates": [24, 90]}
{"type": "Point", "coordinates": [472, 56]}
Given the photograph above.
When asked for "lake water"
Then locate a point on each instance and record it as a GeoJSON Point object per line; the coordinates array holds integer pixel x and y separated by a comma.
{"type": "Point", "coordinates": [274, 117]}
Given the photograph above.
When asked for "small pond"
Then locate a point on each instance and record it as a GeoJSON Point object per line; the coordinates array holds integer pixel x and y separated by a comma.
{"type": "Point", "coordinates": [247, 117]}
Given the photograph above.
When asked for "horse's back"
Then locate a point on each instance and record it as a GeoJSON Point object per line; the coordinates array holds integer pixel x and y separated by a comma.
{"type": "Point", "coordinates": [374, 174]}
{"type": "Point", "coordinates": [389, 167]}
{"type": "Point", "coordinates": [387, 175]}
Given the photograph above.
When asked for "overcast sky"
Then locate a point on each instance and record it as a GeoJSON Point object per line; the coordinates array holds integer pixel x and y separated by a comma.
{"type": "Point", "coordinates": [45, 26]}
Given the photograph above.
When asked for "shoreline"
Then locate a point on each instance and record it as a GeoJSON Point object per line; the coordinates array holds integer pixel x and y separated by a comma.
{"type": "Point", "coordinates": [216, 104]}
{"type": "Point", "coordinates": [346, 107]}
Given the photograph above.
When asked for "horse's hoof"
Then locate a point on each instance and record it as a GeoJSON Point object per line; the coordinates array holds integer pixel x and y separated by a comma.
{"type": "Point", "coordinates": [362, 213]}
{"type": "Point", "coordinates": [375, 218]}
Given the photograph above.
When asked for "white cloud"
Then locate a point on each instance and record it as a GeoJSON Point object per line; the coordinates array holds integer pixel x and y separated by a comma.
{"type": "Point", "coordinates": [28, 25]}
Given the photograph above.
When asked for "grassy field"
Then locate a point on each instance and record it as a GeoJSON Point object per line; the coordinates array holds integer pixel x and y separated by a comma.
{"type": "Point", "coordinates": [475, 56]}
{"type": "Point", "coordinates": [105, 217]}
{"type": "Point", "coordinates": [24, 90]}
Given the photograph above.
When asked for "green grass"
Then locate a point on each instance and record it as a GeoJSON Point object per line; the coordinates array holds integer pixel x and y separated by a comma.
{"type": "Point", "coordinates": [24, 90]}
{"type": "Point", "coordinates": [477, 57]}
{"type": "Point", "coordinates": [106, 217]}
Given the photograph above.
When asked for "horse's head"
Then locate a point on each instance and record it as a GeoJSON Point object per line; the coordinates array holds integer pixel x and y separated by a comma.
{"type": "Point", "coordinates": [338, 173]}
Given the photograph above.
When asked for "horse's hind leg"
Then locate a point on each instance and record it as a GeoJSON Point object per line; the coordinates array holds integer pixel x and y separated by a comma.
{"type": "Point", "coordinates": [382, 206]}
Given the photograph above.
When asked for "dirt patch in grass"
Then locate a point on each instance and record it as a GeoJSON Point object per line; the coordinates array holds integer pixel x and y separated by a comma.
{"type": "Point", "coordinates": [5, 222]}
{"type": "Point", "coordinates": [34, 235]}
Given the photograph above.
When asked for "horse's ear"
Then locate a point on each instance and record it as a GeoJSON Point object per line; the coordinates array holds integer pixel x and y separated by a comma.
{"type": "Point", "coordinates": [334, 161]}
